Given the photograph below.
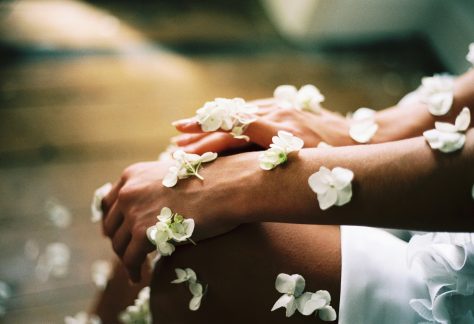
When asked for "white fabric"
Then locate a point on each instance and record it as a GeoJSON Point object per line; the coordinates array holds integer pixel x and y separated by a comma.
{"type": "Point", "coordinates": [376, 283]}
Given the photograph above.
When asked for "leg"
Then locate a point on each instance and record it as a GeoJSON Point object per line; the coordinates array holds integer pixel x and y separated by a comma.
{"type": "Point", "coordinates": [240, 269]}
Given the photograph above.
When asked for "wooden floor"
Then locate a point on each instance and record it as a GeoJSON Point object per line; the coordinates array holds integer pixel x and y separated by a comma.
{"type": "Point", "coordinates": [69, 123]}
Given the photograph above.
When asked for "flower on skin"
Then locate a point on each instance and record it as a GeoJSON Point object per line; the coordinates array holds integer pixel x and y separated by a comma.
{"type": "Point", "coordinates": [447, 137]}
{"type": "Point", "coordinates": [170, 227]}
{"type": "Point", "coordinates": [363, 126]}
{"type": "Point", "coordinates": [96, 206]}
{"type": "Point", "coordinates": [186, 165]}
{"type": "Point", "coordinates": [282, 145]}
{"type": "Point", "coordinates": [139, 312]}
{"type": "Point", "coordinates": [438, 93]}
{"type": "Point", "coordinates": [333, 187]}
{"type": "Point", "coordinates": [232, 115]}
{"type": "Point", "coordinates": [307, 303]}
{"type": "Point", "coordinates": [188, 275]}
{"type": "Point", "coordinates": [307, 98]}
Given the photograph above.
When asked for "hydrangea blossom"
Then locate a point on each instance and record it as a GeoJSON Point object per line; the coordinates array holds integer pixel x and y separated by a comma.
{"type": "Point", "coordinates": [307, 98]}
{"type": "Point", "coordinates": [170, 227]}
{"type": "Point", "coordinates": [293, 298]}
{"type": "Point", "coordinates": [82, 318]}
{"type": "Point", "coordinates": [232, 115]}
{"type": "Point", "coordinates": [292, 288]}
{"type": "Point", "coordinates": [58, 214]}
{"type": "Point", "coordinates": [437, 92]}
{"type": "Point", "coordinates": [282, 145]}
{"type": "Point", "coordinates": [139, 312]}
{"type": "Point", "coordinates": [363, 126]}
{"type": "Point", "coordinates": [196, 288]}
{"type": "Point", "coordinates": [470, 55]}
{"type": "Point", "coordinates": [447, 137]}
{"type": "Point", "coordinates": [96, 207]}
{"type": "Point", "coordinates": [333, 187]}
{"type": "Point", "coordinates": [100, 272]}
{"type": "Point", "coordinates": [186, 165]}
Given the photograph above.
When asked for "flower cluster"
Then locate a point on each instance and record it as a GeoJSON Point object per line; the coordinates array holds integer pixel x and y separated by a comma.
{"type": "Point", "coordinates": [470, 55]}
{"type": "Point", "coordinates": [232, 115]}
{"type": "Point", "coordinates": [170, 227]}
{"type": "Point", "coordinates": [100, 273]}
{"type": "Point", "coordinates": [363, 126]}
{"type": "Point", "coordinates": [186, 165]}
{"type": "Point", "coordinates": [196, 288]}
{"type": "Point", "coordinates": [282, 145]}
{"type": "Point", "coordinates": [139, 312]}
{"type": "Point", "coordinates": [333, 187]}
{"type": "Point", "coordinates": [82, 318]}
{"type": "Point", "coordinates": [293, 298]}
{"type": "Point", "coordinates": [96, 206]}
{"type": "Point", "coordinates": [438, 93]}
{"type": "Point", "coordinates": [447, 137]}
{"type": "Point", "coordinates": [53, 262]}
{"type": "Point", "coordinates": [307, 98]}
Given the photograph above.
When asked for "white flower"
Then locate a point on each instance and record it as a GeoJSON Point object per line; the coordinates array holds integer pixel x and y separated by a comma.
{"type": "Point", "coordinates": [323, 145]}
{"type": "Point", "coordinates": [470, 55]}
{"type": "Point", "coordinates": [54, 261]}
{"type": "Point", "coordinates": [58, 214]}
{"type": "Point", "coordinates": [318, 302]}
{"type": "Point", "coordinates": [291, 287]}
{"type": "Point", "coordinates": [96, 206]}
{"type": "Point", "coordinates": [363, 126]}
{"type": "Point", "coordinates": [139, 312]}
{"type": "Point", "coordinates": [82, 318]}
{"type": "Point", "coordinates": [186, 165]}
{"type": "Point", "coordinates": [100, 272]}
{"type": "Point", "coordinates": [437, 93]}
{"type": "Point", "coordinates": [189, 276]}
{"type": "Point", "coordinates": [170, 227]}
{"type": "Point", "coordinates": [447, 137]}
{"type": "Point", "coordinates": [232, 115]}
{"type": "Point", "coordinates": [308, 98]}
{"type": "Point", "coordinates": [282, 145]}
{"type": "Point", "coordinates": [184, 275]}
{"type": "Point", "coordinates": [333, 187]}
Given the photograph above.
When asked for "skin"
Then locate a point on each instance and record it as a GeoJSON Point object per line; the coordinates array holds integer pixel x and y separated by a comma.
{"type": "Point", "coordinates": [399, 182]}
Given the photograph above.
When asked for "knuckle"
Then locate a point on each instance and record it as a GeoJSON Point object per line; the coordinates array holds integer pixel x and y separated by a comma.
{"type": "Point", "coordinates": [116, 247]}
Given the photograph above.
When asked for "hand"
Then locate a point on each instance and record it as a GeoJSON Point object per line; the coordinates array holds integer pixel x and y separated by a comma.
{"type": "Point", "coordinates": [137, 198]}
{"type": "Point", "coordinates": [313, 128]}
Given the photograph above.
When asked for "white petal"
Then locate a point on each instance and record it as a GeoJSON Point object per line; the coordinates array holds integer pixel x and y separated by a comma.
{"type": "Point", "coordinates": [290, 307]}
{"type": "Point", "coordinates": [445, 127]}
{"type": "Point", "coordinates": [301, 302]}
{"type": "Point", "coordinates": [170, 179]}
{"type": "Point", "coordinates": [470, 55]}
{"type": "Point", "coordinates": [463, 119]}
{"type": "Point", "coordinates": [313, 304]}
{"type": "Point", "coordinates": [363, 114]}
{"type": "Point", "coordinates": [318, 181]}
{"type": "Point", "coordinates": [195, 303]}
{"type": "Point", "coordinates": [454, 145]}
{"type": "Point", "coordinates": [180, 275]}
{"type": "Point", "coordinates": [432, 137]}
{"type": "Point", "coordinates": [195, 288]}
{"type": "Point", "coordinates": [327, 314]}
{"type": "Point", "coordinates": [285, 283]}
{"type": "Point", "coordinates": [439, 104]}
{"type": "Point", "coordinates": [299, 284]}
{"type": "Point", "coordinates": [151, 234]}
{"type": "Point", "coordinates": [323, 145]}
{"type": "Point", "coordinates": [342, 177]}
{"type": "Point", "coordinates": [344, 195]}
{"type": "Point", "coordinates": [282, 301]}
{"type": "Point", "coordinates": [323, 294]}
{"type": "Point", "coordinates": [208, 156]}
{"type": "Point", "coordinates": [286, 93]}
{"type": "Point", "coordinates": [191, 275]}
{"type": "Point", "coordinates": [327, 199]}
{"type": "Point", "coordinates": [96, 206]}
{"type": "Point", "coordinates": [165, 248]}
{"type": "Point", "coordinates": [363, 133]}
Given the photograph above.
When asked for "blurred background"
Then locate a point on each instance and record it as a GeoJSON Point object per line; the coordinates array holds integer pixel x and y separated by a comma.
{"type": "Point", "coordinates": [89, 87]}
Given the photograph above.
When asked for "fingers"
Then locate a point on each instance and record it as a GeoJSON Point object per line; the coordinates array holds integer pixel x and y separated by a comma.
{"type": "Point", "coordinates": [187, 126]}
{"type": "Point", "coordinates": [121, 239]}
{"type": "Point", "coordinates": [111, 197]}
{"type": "Point", "coordinates": [261, 132]}
{"type": "Point", "coordinates": [215, 142]}
{"type": "Point", "coordinates": [135, 254]}
{"type": "Point", "coordinates": [186, 139]}
{"type": "Point", "coordinates": [113, 221]}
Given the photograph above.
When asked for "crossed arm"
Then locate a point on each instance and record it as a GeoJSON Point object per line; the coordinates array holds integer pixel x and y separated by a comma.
{"type": "Point", "coordinates": [402, 183]}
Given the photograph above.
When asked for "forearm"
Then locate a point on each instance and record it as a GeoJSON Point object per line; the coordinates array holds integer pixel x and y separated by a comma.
{"type": "Point", "coordinates": [402, 184]}
{"type": "Point", "coordinates": [400, 122]}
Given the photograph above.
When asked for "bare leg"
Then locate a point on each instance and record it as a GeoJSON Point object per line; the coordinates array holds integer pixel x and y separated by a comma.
{"type": "Point", "coordinates": [240, 269]}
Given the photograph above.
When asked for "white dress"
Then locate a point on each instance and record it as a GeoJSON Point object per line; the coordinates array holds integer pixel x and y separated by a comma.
{"type": "Point", "coordinates": [384, 279]}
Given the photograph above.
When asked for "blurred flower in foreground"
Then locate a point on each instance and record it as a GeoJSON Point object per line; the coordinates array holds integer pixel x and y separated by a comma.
{"type": "Point", "coordinates": [53, 262]}
{"type": "Point", "coordinates": [58, 214]}
{"type": "Point", "coordinates": [82, 318]}
{"type": "Point", "coordinates": [100, 271]}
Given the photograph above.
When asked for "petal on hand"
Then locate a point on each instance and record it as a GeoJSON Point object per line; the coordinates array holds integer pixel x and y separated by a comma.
{"type": "Point", "coordinates": [301, 302]}
{"type": "Point", "coordinates": [327, 199]}
{"type": "Point", "coordinates": [195, 303]}
{"type": "Point", "coordinates": [282, 301]}
{"type": "Point", "coordinates": [463, 120]}
{"type": "Point", "coordinates": [318, 183]}
{"type": "Point", "coordinates": [96, 205]}
{"type": "Point", "coordinates": [299, 284]}
{"type": "Point", "coordinates": [327, 314]}
{"type": "Point", "coordinates": [445, 127]}
{"type": "Point", "coordinates": [191, 275]}
{"type": "Point", "coordinates": [324, 295]}
{"type": "Point", "coordinates": [170, 179]}
{"type": "Point", "coordinates": [208, 157]}
{"type": "Point", "coordinates": [344, 195]}
{"type": "Point", "coordinates": [151, 234]}
{"type": "Point", "coordinates": [165, 248]}
{"type": "Point", "coordinates": [342, 177]}
{"type": "Point", "coordinates": [286, 93]}
{"type": "Point", "coordinates": [291, 307]}
{"type": "Point", "coordinates": [440, 103]}
{"type": "Point", "coordinates": [195, 288]}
